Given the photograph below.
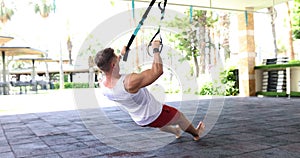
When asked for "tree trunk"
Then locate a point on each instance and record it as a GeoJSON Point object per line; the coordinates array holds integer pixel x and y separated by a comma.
{"type": "Point", "coordinates": [61, 71]}
{"type": "Point", "coordinates": [47, 72]}
{"type": "Point", "coordinates": [272, 15]}
{"type": "Point", "coordinates": [137, 62]}
{"type": "Point", "coordinates": [196, 64]}
{"type": "Point", "coordinates": [208, 57]}
{"type": "Point", "coordinates": [91, 76]}
{"type": "Point", "coordinates": [291, 47]}
{"type": "Point", "coordinates": [202, 33]}
{"type": "Point", "coordinates": [225, 23]}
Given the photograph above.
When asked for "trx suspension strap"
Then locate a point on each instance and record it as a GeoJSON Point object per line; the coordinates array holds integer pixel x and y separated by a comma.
{"type": "Point", "coordinates": [132, 5]}
{"type": "Point", "coordinates": [140, 25]}
{"type": "Point", "coordinates": [162, 11]}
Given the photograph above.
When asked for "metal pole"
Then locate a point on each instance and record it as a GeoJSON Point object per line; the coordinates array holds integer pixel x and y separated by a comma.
{"type": "Point", "coordinates": [4, 73]}
{"type": "Point", "coordinates": [33, 70]}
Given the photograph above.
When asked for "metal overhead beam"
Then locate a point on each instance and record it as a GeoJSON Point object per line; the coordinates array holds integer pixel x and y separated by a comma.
{"type": "Point", "coordinates": [228, 5]}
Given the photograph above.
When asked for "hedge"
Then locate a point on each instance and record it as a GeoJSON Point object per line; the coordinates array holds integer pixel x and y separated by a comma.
{"type": "Point", "coordinates": [68, 85]}
{"type": "Point", "coordinates": [278, 94]}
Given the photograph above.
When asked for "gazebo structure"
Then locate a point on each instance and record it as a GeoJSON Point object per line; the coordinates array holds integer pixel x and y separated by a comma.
{"type": "Point", "coordinates": [14, 51]}
{"type": "Point", "coordinates": [67, 68]}
{"type": "Point", "coordinates": [53, 69]}
{"type": "Point", "coordinates": [4, 39]}
{"type": "Point", "coordinates": [33, 60]}
{"type": "Point", "coordinates": [246, 51]}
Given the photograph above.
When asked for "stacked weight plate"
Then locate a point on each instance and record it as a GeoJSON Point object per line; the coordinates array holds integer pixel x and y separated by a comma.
{"type": "Point", "coordinates": [274, 80]}
{"type": "Point", "coordinates": [280, 60]}
{"type": "Point", "coordinates": [265, 81]}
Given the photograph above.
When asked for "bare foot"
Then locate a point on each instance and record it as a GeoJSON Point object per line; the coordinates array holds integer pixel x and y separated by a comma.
{"type": "Point", "coordinates": [178, 131]}
{"type": "Point", "coordinates": [200, 128]}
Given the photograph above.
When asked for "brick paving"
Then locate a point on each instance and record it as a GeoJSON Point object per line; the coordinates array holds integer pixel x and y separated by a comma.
{"type": "Point", "coordinates": [248, 127]}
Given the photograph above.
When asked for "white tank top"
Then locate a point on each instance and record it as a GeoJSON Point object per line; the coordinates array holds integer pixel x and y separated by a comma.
{"type": "Point", "coordinates": [141, 106]}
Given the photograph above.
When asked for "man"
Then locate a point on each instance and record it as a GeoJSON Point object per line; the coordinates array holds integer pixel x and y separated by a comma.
{"type": "Point", "coordinates": [131, 93]}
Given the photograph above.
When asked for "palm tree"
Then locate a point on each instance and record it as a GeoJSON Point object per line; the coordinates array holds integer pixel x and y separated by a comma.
{"type": "Point", "coordinates": [43, 8]}
{"type": "Point", "coordinates": [5, 13]}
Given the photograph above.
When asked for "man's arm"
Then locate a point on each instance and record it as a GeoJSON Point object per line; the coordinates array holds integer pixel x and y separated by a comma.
{"type": "Point", "coordinates": [133, 82]}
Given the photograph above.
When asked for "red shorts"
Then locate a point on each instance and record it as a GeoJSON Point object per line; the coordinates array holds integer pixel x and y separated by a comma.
{"type": "Point", "coordinates": [168, 116]}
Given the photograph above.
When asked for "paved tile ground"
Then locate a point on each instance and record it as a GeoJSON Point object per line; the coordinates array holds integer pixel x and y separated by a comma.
{"type": "Point", "coordinates": [246, 127]}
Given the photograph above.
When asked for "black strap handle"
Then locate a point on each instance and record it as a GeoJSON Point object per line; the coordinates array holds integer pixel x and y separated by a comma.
{"type": "Point", "coordinates": [141, 23]}
{"type": "Point", "coordinates": [162, 10]}
{"type": "Point", "coordinates": [137, 30]}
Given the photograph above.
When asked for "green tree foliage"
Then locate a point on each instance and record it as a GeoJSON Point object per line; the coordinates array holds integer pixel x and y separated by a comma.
{"type": "Point", "coordinates": [228, 86]}
{"type": "Point", "coordinates": [192, 38]}
{"type": "Point", "coordinates": [230, 79]}
{"type": "Point", "coordinates": [5, 12]}
{"type": "Point", "coordinates": [296, 19]}
{"type": "Point", "coordinates": [43, 7]}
